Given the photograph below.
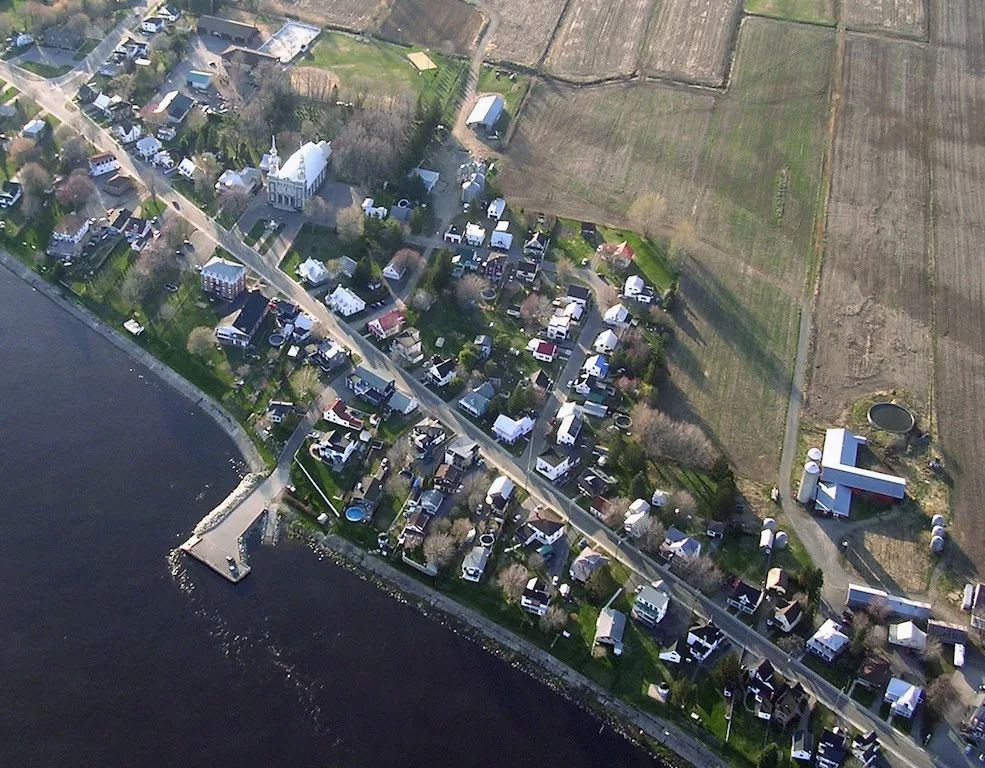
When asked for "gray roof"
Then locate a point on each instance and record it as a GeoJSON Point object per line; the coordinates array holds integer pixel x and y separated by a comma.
{"type": "Point", "coordinates": [474, 402]}
{"type": "Point", "coordinates": [373, 380]}
{"type": "Point", "coordinates": [476, 559]}
{"type": "Point", "coordinates": [611, 623]}
{"type": "Point", "coordinates": [220, 269]}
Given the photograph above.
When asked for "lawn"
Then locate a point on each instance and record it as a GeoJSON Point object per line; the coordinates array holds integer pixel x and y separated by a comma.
{"type": "Point", "coordinates": [311, 242]}
{"type": "Point", "coordinates": [381, 70]}
{"type": "Point", "coordinates": [46, 71]}
{"type": "Point", "coordinates": [813, 11]}
{"type": "Point", "coordinates": [748, 734]}
{"type": "Point", "coordinates": [739, 554]}
{"type": "Point", "coordinates": [492, 81]}
{"type": "Point", "coordinates": [864, 696]}
{"type": "Point", "coordinates": [837, 673]}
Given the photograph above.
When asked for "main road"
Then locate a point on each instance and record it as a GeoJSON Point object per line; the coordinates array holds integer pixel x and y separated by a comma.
{"type": "Point", "coordinates": [55, 100]}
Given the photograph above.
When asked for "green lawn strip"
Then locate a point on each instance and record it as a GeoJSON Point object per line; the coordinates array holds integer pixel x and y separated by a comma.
{"type": "Point", "coordinates": [46, 71]}
{"type": "Point", "coordinates": [836, 673]}
{"type": "Point", "coordinates": [864, 696]}
{"type": "Point", "coordinates": [650, 259]}
{"type": "Point", "coordinates": [512, 91]}
{"type": "Point", "coordinates": [258, 228]}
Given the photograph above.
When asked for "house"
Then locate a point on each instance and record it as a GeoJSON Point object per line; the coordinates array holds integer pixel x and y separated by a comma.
{"type": "Point", "coordinates": [442, 372]}
{"type": "Point", "coordinates": [527, 270]}
{"type": "Point", "coordinates": [395, 270]}
{"type": "Point", "coordinates": [585, 564]}
{"type": "Point", "coordinates": [679, 544]}
{"type": "Point", "coordinates": [474, 563]}
{"type": "Point", "coordinates": [715, 529]}
{"type": "Point", "coordinates": [152, 25]}
{"type": "Point", "coordinates": [840, 479]}
{"type": "Point", "coordinates": [462, 452]}
{"type": "Point", "coordinates": [10, 193]}
{"type": "Point", "coordinates": [574, 310]}
{"type": "Point", "coordinates": [788, 615]}
{"type": "Point", "coordinates": [829, 642]}
{"type": "Point", "coordinates": [475, 235]}
{"type": "Point", "coordinates": [340, 413]}
{"type": "Point", "coordinates": [859, 596]}
{"type": "Point", "coordinates": [418, 522]}
{"type": "Point", "coordinates": [486, 112]}
{"type": "Point", "coordinates": [407, 346]}
{"type": "Point", "coordinates": [907, 635]}
{"type": "Point", "coordinates": [198, 80]}
{"type": "Point", "coordinates": [609, 629]}
{"type": "Point", "coordinates": [106, 104]}
{"type": "Point", "coordinates": [233, 31]}
{"type": "Point", "coordinates": [127, 133]}
{"type": "Point", "coordinates": [947, 633]}
{"type": "Point", "coordinates": [568, 430]}
{"type": "Point", "coordinates": [373, 211]}
{"type": "Point", "coordinates": [291, 185]}
{"type": "Point", "coordinates": [278, 410]}
{"type": "Point", "coordinates": [535, 598]}
{"type": "Point", "coordinates": [500, 492]}
{"type": "Point", "coordinates": [541, 531]}
{"type": "Point", "coordinates": [637, 518]}
{"type": "Point", "coordinates": [102, 164]}
{"type": "Point", "coordinates": [866, 749]}
{"type": "Point", "coordinates": [312, 271]}
{"type": "Point", "coordinates": [903, 697]}
{"type": "Point", "coordinates": [596, 366]}
{"type": "Point", "coordinates": [335, 447]}
{"type": "Point", "coordinates": [762, 680]}
{"type": "Point", "coordinates": [745, 597]}
{"type": "Point", "coordinates": [344, 302]}
{"type": "Point", "coordinates": [802, 746]}
{"type": "Point", "coordinates": [634, 286]}
{"type": "Point", "coordinates": [163, 160]}
{"type": "Point", "coordinates": [831, 751]}
{"type": "Point", "coordinates": [237, 328]}
{"type": "Point", "coordinates": [776, 581]}
{"type": "Point", "coordinates": [368, 493]}
{"type": "Point", "coordinates": [447, 478]}
{"type": "Point", "coordinates": [558, 327]}
{"type": "Point", "coordinates": [541, 380]}
{"type": "Point", "coordinates": [553, 465]}
{"type": "Point", "coordinates": [369, 386]}
{"type": "Point", "coordinates": [578, 294]}
{"type": "Point", "coordinates": [453, 235]}
{"type": "Point", "coordinates": [222, 278]}
{"type": "Point", "coordinates": [23, 39]}
{"type": "Point", "coordinates": [426, 436]}
{"type": "Point", "coordinates": [536, 245]}
{"type": "Point", "coordinates": [594, 482]}
{"type": "Point", "coordinates": [510, 430]}
{"type": "Point", "coordinates": [484, 346]}
{"type": "Point", "coordinates": [703, 641]}
{"type": "Point", "coordinates": [244, 180]}
{"type": "Point", "coordinates": [671, 653]}
{"type": "Point", "coordinates": [501, 239]}
{"type": "Point", "coordinates": [616, 316]}
{"type": "Point", "coordinates": [388, 325]}
{"type": "Point", "coordinates": [137, 230]}
{"type": "Point", "coordinates": [69, 237]}
{"type": "Point", "coordinates": [619, 254]}
{"type": "Point", "coordinates": [34, 129]}
{"type": "Point", "coordinates": [148, 146]}
{"type": "Point", "coordinates": [651, 604]}
{"type": "Point", "coordinates": [401, 404]}
{"type": "Point", "coordinates": [119, 185]}
{"type": "Point", "coordinates": [431, 500]}
{"type": "Point", "coordinates": [873, 672]}
{"type": "Point", "coordinates": [784, 706]}
{"type": "Point", "coordinates": [605, 342]}
{"type": "Point", "coordinates": [542, 350]}
{"type": "Point", "coordinates": [496, 209]}
{"type": "Point", "coordinates": [169, 12]}
{"type": "Point", "coordinates": [64, 36]}
{"type": "Point", "coordinates": [477, 401]}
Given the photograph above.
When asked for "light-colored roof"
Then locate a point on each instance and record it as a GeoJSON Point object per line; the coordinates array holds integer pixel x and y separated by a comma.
{"type": "Point", "coordinates": [830, 635]}
{"type": "Point", "coordinates": [486, 111]}
{"type": "Point", "coordinates": [610, 625]}
{"type": "Point", "coordinates": [838, 469]}
{"type": "Point", "coordinates": [307, 162]}
{"type": "Point", "coordinates": [607, 339]}
{"type": "Point", "coordinates": [224, 271]}
{"type": "Point", "coordinates": [502, 486]}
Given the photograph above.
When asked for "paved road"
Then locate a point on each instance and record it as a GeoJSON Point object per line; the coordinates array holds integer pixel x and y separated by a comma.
{"type": "Point", "coordinates": [902, 748]}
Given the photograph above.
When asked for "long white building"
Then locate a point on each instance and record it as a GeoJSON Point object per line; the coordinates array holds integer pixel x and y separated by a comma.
{"type": "Point", "coordinates": [291, 185]}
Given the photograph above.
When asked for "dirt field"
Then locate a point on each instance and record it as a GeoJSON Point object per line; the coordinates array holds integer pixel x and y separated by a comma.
{"type": "Point", "coordinates": [796, 10]}
{"type": "Point", "coordinates": [600, 38]}
{"type": "Point", "coordinates": [958, 93]}
{"type": "Point", "coordinates": [872, 324]}
{"type": "Point", "coordinates": [450, 26]}
{"type": "Point", "coordinates": [588, 153]}
{"type": "Point", "coordinates": [691, 40]}
{"type": "Point", "coordinates": [524, 29]}
{"type": "Point", "coordinates": [350, 14]}
{"type": "Point", "coordinates": [904, 17]}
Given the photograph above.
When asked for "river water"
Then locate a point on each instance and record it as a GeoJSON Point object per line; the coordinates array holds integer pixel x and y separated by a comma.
{"type": "Point", "coordinates": [119, 652]}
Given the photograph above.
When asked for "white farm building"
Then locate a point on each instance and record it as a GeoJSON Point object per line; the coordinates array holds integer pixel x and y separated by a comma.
{"type": "Point", "coordinates": [486, 112]}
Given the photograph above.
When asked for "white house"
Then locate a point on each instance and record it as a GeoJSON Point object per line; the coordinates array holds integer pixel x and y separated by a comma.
{"type": "Point", "coordinates": [486, 112]}
{"type": "Point", "coordinates": [152, 25]}
{"type": "Point", "coordinates": [10, 193]}
{"type": "Point", "coordinates": [651, 604]}
{"type": "Point", "coordinates": [344, 302]}
{"type": "Point", "coordinates": [312, 271]}
{"type": "Point", "coordinates": [148, 146]}
{"type": "Point", "coordinates": [616, 316]}
{"type": "Point", "coordinates": [163, 160]}
{"type": "Point", "coordinates": [245, 180]}
{"type": "Point", "coordinates": [127, 133]}
{"type": "Point", "coordinates": [510, 430]}
{"type": "Point", "coordinates": [475, 562]}
{"type": "Point", "coordinates": [453, 235]}
{"type": "Point", "coordinates": [187, 168]}
{"type": "Point", "coordinates": [596, 366]}
{"type": "Point", "coordinates": [102, 164]}
{"type": "Point", "coordinates": [387, 325]}
{"type": "Point", "coordinates": [829, 642]}
{"type": "Point", "coordinates": [703, 641]}
{"type": "Point", "coordinates": [394, 271]}
{"type": "Point", "coordinates": [903, 697]}
{"type": "Point", "coordinates": [542, 350]}
{"type": "Point", "coordinates": [442, 372]}
{"type": "Point", "coordinates": [475, 235]}
{"type": "Point", "coordinates": [535, 598]}
{"type": "Point", "coordinates": [552, 464]}
{"type": "Point", "coordinates": [637, 518]}
{"type": "Point", "coordinates": [609, 629]}
{"type": "Point", "coordinates": [501, 239]}
{"type": "Point", "coordinates": [605, 342]}
{"type": "Point", "coordinates": [496, 209]}
{"type": "Point", "coordinates": [335, 447]}
{"type": "Point", "coordinates": [373, 211]}
{"type": "Point", "coordinates": [907, 635]}
{"type": "Point", "coordinates": [500, 492]}
{"type": "Point", "coordinates": [34, 129]}
{"type": "Point", "coordinates": [567, 431]}
{"type": "Point", "coordinates": [679, 544]}
{"type": "Point", "coordinates": [633, 287]}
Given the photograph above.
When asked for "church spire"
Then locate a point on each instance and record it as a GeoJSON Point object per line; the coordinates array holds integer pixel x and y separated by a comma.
{"type": "Point", "coordinates": [273, 164]}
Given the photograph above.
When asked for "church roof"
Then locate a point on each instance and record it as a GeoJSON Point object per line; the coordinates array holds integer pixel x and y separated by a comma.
{"type": "Point", "coordinates": [306, 163]}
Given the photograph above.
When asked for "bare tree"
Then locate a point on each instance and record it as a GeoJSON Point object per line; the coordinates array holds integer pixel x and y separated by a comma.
{"type": "Point", "coordinates": [941, 697]}
{"type": "Point", "coordinates": [701, 572]}
{"type": "Point", "coordinates": [408, 258]}
{"type": "Point", "coordinates": [677, 441]}
{"type": "Point", "coordinates": [75, 191]}
{"type": "Point", "coordinates": [306, 384]}
{"type": "Point", "coordinates": [23, 151]}
{"type": "Point", "coordinates": [460, 529]}
{"type": "Point", "coordinates": [606, 295]}
{"type": "Point", "coordinates": [647, 211]}
{"type": "Point", "coordinates": [174, 232]}
{"type": "Point", "coordinates": [74, 154]}
{"type": "Point", "coordinates": [468, 291]}
{"type": "Point", "coordinates": [349, 224]}
{"type": "Point", "coordinates": [535, 561]}
{"type": "Point", "coordinates": [422, 300]}
{"type": "Point", "coordinates": [653, 536]}
{"type": "Point", "coordinates": [684, 240]}
{"type": "Point", "coordinates": [472, 491]}
{"type": "Point", "coordinates": [554, 620]}
{"type": "Point", "coordinates": [370, 146]}
{"type": "Point", "coordinates": [399, 455]}
{"type": "Point", "coordinates": [512, 580]}
{"type": "Point", "coordinates": [34, 179]}
{"type": "Point", "coordinates": [234, 202]}
{"type": "Point", "coordinates": [790, 644]}
{"type": "Point", "coordinates": [535, 309]}
{"type": "Point", "coordinates": [134, 287]}
{"type": "Point", "coordinates": [201, 341]}
{"type": "Point", "coordinates": [439, 549]}
{"type": "Point", "coordinates": [615, 512]}
{"type": "Point", "coordinates": [683, 502]}
{"type": "Point", "coordinates": [933, 652]}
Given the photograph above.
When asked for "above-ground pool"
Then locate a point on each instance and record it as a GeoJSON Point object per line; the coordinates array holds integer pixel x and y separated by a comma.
{"type": "Point", "coordinates": [355, 514]}
{"type": "Point", "coordinates": [277, 339]}
{"type": "Point", "coordinates": [891, 418]}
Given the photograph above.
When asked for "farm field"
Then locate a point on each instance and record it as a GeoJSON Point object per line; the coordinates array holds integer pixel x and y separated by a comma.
{"type": "Point", "coordinates": [523, 30]}
{"type": "Point", "coordinates": [815, 11]}
{"type": "Point", "coordinates": [872, 323]}
{"type": "Point", "coordinates": [958, 94]}
{"type": "Point", "coordinates": [903, 17]}
{"type": "Point", "coordinates": [599, 38]}
{"type": "Point", "coordinates": [691, 40]}
{"type": "Point", "coordinates": [588, 153]}
{"type": "Point", "coordinates": [449, 26]}
{"type": "Point", "coordinates": [348, 14]}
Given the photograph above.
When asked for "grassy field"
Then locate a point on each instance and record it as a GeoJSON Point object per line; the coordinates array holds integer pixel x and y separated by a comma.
{"type": "Point", "coordinates": [740, 173]}
{"type": "Point", "coordinates": [513, 91]}
{"type": "Point", "coordinates": [45, 70]}
{"type": "Point", "coordinates": [813, 11]}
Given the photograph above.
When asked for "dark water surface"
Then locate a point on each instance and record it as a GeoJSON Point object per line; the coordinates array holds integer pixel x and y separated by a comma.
{"type": "Point", "coordinates": [117, 653]}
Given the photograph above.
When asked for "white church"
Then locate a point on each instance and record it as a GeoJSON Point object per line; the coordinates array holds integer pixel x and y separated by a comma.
{"type": "Point", "coordinates": [291, 185]}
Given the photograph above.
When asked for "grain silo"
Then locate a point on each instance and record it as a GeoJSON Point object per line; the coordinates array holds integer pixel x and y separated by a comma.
{"type": "Point", "coordinates": [937, 544]}
{"type": "Point", "coordinates": [769, 524]}
{"type": "Point", "coordinates": [808, 482]}
{"type": "Point", "coordinates": [780, 542]}
{"type": "Point", "coordinates": [939, 531]}
{"type": "Point", "coordinates": [938, 520]}
{"type": "Point", "coordinates": [814, 454]}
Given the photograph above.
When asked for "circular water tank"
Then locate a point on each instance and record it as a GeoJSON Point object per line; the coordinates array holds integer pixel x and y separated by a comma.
{"type": "Point", "coordinates": [938, 520]}
{"type": "Point", "coordinates": [814, 454]}
{"type": "Point", "coordinates": [769, 523]}
{"type": "Point", "coordinates": [939, 531]}
{"type": "Point", "coordinates": [487, 539]}
{"type": "Point", "coordinates": [780, 542]}
{"type": "Point", "coordinates": [936, 544]}
{"type": "Point", "coordinates": [811, 468]}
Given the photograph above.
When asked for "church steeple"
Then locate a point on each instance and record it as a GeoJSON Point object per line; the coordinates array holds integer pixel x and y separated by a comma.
{"type": "Point", "coordinates": [273, 165]}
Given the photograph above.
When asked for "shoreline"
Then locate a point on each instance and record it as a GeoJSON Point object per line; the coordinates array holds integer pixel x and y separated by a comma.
{"type": "Point", "coordinates": [222, 418]}
{"type": "Point", "coordinates": [676, 749]}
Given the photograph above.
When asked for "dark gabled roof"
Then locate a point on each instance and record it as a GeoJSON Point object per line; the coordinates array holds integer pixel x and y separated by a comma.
{"type": "Point", "coordinates": [372, 380]}
{"type": "Point", "coordinates": [11, 188]}
{"type": "Point", "coordinates": [874, 670]}
{"type": "Point", "coordinates": [540, 379]}
{"type": "Point", "coordinates": [545, 526]}
{"type": "Point", "coordinates": [252, 313]}
{"type": "Point", "coordinates": [444, 367]}
{"type": "Point", "coordinates": [527, 266]}
{"type": "Point", "coordinates": [578, 292]}
{"type": "Point", "coordinates": [122, 217]}
{"type": "Point", "coordinates": [743, 590]}
{"type": "Point", "coordinates": [709, 633]}
{"type": "Point", "coordinates": [226, 27]}
{"type": "Point", "coordinates": [946, 632]}
{"type": "Point", "coordinates": [180, 105]}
